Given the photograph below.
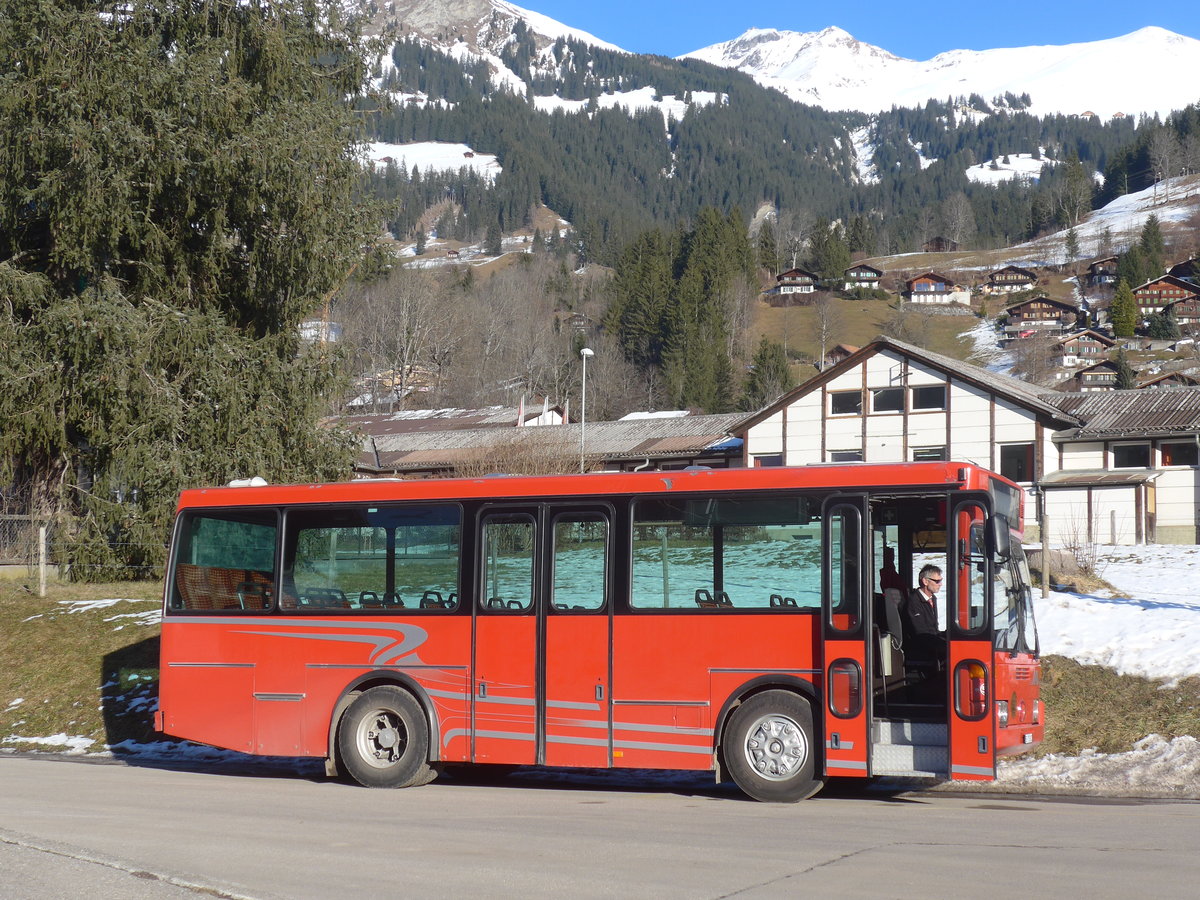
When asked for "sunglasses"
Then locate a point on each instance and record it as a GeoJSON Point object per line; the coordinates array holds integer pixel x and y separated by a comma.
{"type": "Point", "coordinates": [934, 580]}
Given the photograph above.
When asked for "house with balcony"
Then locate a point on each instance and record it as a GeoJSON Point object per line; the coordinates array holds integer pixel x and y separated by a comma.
{"type": "Point", "coordinates": [932, 288]}
{"type": "Point", "coordinates": [1159, 292]}
{"type": "Point", "coordinates": [861, 276]}
{"type": "Point", "coordinates": [1010, 279]}
{"type": "Point", "coordinates": [1102, 272]}
{"type": "Point", "coordinates": [1040, 315]}
{"type": "Point", "coordinates": [796, 281]}
{"type": "Point", "coordinates": [1188, 270]}
{"type": "Point", "coordinates": [1100, 376]}
{"type": "Point", "coordinates": [1083, 348]}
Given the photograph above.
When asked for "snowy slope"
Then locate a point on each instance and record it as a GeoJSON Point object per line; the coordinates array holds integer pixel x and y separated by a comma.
{"type": "Point", "coordinates": [1151, 70]}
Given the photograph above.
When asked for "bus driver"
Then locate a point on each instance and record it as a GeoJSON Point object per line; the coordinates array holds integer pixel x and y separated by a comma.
{"type": "Point", "coordinates": [923, 641]}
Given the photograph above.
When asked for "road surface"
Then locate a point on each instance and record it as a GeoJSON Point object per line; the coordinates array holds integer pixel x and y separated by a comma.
{"type": "Point", "coordinates": [107, 829]}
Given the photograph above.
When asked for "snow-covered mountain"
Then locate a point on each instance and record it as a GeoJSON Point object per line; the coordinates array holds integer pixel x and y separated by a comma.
{"type": "Point", "coordinates": [1151, 70]}
{"type": "Point", "coordinates": [482, 24]}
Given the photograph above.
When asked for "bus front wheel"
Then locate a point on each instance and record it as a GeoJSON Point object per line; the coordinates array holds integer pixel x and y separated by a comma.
{"type": "Point", "coordinates": [383, 740]}
{"type": "Point", "coordinates": [769, 750]}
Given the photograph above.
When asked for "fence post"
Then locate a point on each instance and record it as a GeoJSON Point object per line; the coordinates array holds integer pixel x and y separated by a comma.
{"type": "Point", "coordinates": [1045, 530]}
{"type": "Point", "coordinates": [41, 560]}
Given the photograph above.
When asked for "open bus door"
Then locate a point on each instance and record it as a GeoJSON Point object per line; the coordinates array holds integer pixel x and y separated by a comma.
{"type": "Point", "coordinates": [969, 638]}
{"type": "Point", "coordinates": [845, 628]}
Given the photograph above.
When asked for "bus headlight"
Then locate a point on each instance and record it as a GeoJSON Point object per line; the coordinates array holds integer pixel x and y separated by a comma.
{"type": "Point", "coordinates": [1002, 713]}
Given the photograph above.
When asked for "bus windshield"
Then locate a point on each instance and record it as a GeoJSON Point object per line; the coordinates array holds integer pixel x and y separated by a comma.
{"type": "Point", "coordinates": [1015, 630]}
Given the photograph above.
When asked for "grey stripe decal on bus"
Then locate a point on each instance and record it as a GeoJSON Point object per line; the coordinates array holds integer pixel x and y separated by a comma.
{"type": "Point", "coordinates": [398, 639]}
{"type": "Point", "coordinates": [667, 748]}
{"type": "Point", "coordinates": [844, 745]}
{"type": "Point", "coordinates": [209, 665]}
{"type": "Point", "coordinates": [660, 703]}
{"type": "Point", "coordinates": [845, 764]}
{"type": "Point", "coordinates": [292, 698]}
{"type": "Point", "coordinates": [973, 770]}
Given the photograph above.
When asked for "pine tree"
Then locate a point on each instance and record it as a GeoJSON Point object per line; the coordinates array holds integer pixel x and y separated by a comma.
{"type": "Point", "coordinates": [1153, 247]}
{"type": "Point", "coordinates": [769, 376]}
{"type": "Point", "coordinates": [1124, 312]}
{"type": "Point", "coordinates": [178, 191]}
{"type": "Point", "coordinates": [1126, 376]}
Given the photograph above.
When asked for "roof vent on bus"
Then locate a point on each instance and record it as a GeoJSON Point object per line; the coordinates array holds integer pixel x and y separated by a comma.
{"type": "Point", "coordinates": [256, 481]}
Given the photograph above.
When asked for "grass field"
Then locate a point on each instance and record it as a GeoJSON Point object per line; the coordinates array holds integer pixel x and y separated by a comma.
{"type": "Point", "coordinates": [82, 663]}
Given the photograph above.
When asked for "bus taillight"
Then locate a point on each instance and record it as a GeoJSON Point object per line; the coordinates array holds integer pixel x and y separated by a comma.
{"type": "Point", "coordinates": [845, 688]}
{"type": "Point", "coordinates": [971, 689]}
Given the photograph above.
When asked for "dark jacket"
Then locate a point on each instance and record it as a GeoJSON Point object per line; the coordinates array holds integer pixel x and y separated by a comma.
{"type": "Point", "coordinates": [922, 640]}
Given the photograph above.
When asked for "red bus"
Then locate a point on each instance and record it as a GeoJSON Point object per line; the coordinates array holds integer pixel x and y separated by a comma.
{"type": "Point", "coordinates": [724, 620]}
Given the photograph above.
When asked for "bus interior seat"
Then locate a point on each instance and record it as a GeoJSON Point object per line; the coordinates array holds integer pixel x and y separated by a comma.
{"type": "Point", "coordinates": [393, 599]}
{"type": "Point", "coordinates": [369, 600]}
{"type": "Point", "coordinates": [495, 603]}
{"type": "Point", "coordinates": [778, 601]}
{"type": "Point", "coordinates": [722, 599]}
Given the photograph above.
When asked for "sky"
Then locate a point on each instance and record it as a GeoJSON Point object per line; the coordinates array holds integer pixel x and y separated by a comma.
{"type": "Point", "coordinates": [919, 32]}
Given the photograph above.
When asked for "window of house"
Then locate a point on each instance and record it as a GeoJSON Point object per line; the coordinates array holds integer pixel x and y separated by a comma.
{"type": "Point", "coordinates": [1016, 461]}
{"type": "Point", "coordinates": [931, 396]}
{"type": "Point", "coordinates": [845, 403]}
{"type": "Point", "coordinates": [1131, 456]}
{"type": "Point", "coordinates": [1180, 453]}
{"type": "Point", "coordinates": [765, 460]}
{"type": "Point", "coordinates": [887, 399]}
{"type": "Point", "coordinates": [845, 456]}
{"type": "Point", "coordinates": [928, 453]}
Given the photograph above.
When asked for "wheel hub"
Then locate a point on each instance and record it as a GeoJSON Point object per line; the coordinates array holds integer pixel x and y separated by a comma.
{"type": "Point", "coordinates": [776, 747]}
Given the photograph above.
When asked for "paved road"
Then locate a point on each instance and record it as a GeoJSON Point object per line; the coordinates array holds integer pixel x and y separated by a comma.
{"type": "Point", "coordinates": [72, 828]}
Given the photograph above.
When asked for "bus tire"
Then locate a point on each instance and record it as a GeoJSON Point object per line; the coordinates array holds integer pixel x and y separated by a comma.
{"type": "Point", "coordinates": [769, 749]}
{"type": "Point", "coordinates": [383, 740]}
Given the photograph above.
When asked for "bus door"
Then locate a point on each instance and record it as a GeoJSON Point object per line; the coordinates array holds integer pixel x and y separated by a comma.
{"type": "Point", "coordinates": [846, 629]}
{"type": "Point", "coordinates": [576, 623]}
{"type": "Point", "coordinates": [504, 695]}
{"type": "Point", "coordinates": [969, 639]}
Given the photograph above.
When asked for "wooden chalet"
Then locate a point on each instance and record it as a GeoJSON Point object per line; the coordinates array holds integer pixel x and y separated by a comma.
{"type": "Point", "coordinates": [1011, 279]}
{"type": "Point", "coordinates": [861, 276]}
{"type": "Point", "coordinates": [940, 244]}
{"type": "Point", "coordinates": [1040, 314]}
{"type": "Point", "coordinates": [1160, 292]}
{"type": "Point", "coordinates": [1171, 379]}
{"type": "Point", "coordinates": [1101, 376]}
{"type": "Point", "coordinates": [1186, 312]}
{"type": "Point", "coordinates": [1188, 270]}
{"type": "Point", "coordinates": [1102, 272]}
{"type": "Point", "coordinates": [930, 287]}
{"type": "Point", "coordinates": [837, 354]}
{"type": "Point", "coordinates": [1081, 349]}
{"type": "Point", "coordinates": [794, 281]}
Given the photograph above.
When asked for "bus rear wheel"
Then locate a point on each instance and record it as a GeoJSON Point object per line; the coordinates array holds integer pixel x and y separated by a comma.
{"type": "Point", "coordinates": [769, 749]}
{"type": "Point", "coordinates": [383, 740]}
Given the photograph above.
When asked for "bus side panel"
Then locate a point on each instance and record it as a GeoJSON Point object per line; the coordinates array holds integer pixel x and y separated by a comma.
{"type": "Point", "coordinates": [577, 690]}
{"type": "Point", "coordinates": [505, 689]}
{"type": "Point", "coordinates": [337, 652]}
{"type": "Point", "coordinates": [671, 673]}
{"type": "Point", "coordinates": [206, 687]}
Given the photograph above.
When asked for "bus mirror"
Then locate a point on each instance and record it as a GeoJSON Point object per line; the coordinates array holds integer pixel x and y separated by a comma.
{"type": "Point", "coordinates": [999, 538]}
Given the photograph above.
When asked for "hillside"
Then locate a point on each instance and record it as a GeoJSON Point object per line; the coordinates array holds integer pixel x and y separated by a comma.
{"type": "Point", "coordinates": [617, 142]}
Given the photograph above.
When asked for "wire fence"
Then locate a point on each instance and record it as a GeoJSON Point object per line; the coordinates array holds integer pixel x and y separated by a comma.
{"type": "Point", "coordinates": [23, 542]}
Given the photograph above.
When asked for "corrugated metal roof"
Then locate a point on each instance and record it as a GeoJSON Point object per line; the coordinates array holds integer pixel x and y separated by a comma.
{"type": "Point", "coordinates": [450, 419]}
{"type": "Point", "coordinates": [667, 437]}
{"type": "Point", "coordinates": [1132, 413]}
{"type": "Point", "coordinates": [1097, 478]}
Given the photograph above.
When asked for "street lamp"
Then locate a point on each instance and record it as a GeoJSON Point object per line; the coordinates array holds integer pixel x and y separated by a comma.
{"type": "Point", "coordinates": [585, 353]}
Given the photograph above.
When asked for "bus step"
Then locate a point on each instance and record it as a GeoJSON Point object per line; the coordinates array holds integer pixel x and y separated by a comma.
{"type": "Point", "coordinates": [915, 749]}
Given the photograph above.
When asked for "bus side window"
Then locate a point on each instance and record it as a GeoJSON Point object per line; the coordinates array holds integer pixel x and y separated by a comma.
{"type": "Point", "coordinates": [580, 562]}
{"type": "Point", "coordinates": [508, 545]}
{"type": "Point", "coordinates": [225, 561]}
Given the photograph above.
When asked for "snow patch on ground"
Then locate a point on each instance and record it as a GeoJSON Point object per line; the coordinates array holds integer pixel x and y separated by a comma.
{"type": "Point", "coordinates": [436, 155]}
{"type": "Point", "coordinates": [669, 105]}
{"type": "Point", "coordinates": [1019, 167]}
